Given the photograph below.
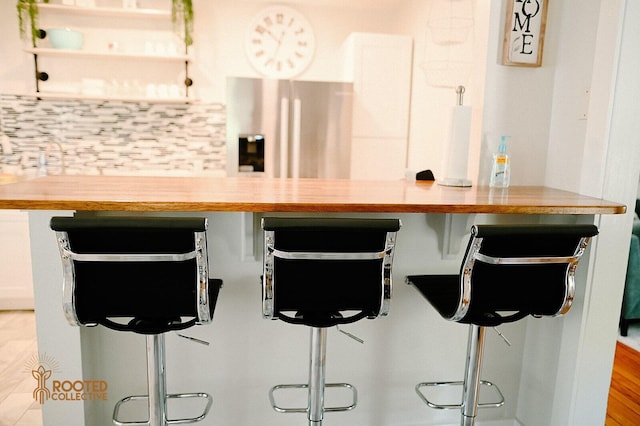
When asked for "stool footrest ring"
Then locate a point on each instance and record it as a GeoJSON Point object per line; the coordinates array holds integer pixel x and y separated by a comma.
{"type": "Point", "coordinates": [123, 401]}
{"type": "Point", "coordinates": [280, 409]}
{"type": "Point", "coordinates": [431, 404]}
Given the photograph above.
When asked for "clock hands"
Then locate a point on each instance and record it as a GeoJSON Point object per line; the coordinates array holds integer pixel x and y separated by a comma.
{"type": "Point", "coordinates": [275, 53]}
{"type": "Point", "coordinates": [278, 40]}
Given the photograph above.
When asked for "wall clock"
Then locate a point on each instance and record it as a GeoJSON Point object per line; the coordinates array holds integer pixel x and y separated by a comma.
{"type": "Point", "coordinates": [280, 42]}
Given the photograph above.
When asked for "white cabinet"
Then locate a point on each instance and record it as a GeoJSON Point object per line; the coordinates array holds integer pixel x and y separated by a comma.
{"type": "Point", "coordinates": [16, 282]}
{"type": "Point", "coordinates": [127, 54]}
{"type": "Point", "coordinates": [380, 67]}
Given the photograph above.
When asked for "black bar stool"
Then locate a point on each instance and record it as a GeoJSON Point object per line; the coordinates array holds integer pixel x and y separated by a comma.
{"type": "Point", "coordinates": [148, 275]}
{"type": "Point", "coordinates": [508, 273]}
{"type": "Point", "coordinates": [323, 273]}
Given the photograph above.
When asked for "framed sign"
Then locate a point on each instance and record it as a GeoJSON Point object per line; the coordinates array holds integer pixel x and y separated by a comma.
{"type": "Point", "coordinates": [524, 29]}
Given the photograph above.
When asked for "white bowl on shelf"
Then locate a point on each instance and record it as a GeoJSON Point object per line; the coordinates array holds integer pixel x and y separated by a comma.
{"type": "Point", "coordinates": [65, 38]}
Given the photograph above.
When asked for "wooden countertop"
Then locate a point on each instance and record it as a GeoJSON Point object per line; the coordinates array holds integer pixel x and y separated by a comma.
{"type": "Point", "coordinates": [245, 194]}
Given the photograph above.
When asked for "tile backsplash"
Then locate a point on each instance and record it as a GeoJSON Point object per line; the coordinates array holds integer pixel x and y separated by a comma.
{"type": "Point", "coordinates": [113, 137]}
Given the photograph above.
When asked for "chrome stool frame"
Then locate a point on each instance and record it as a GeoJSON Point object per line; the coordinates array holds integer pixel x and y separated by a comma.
{"type": "Point", "coordinates": [316, 386]}
{"type": "Point", "coordinates": [167, 259]}
{"type": "Point", "coordinates": [498, 258]}
{"type": "Point", "coordinates": [471, 383]}
{"type": "Point", "coordinates": [319, 251]}
{"type": "Point", "coordinates": [157, 388]}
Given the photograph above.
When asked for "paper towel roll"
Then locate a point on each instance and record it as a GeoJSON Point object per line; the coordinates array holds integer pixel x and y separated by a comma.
{"type": "Point", "coordinates": [457, 149]}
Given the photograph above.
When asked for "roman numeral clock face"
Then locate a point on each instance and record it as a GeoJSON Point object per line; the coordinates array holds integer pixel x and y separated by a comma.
{"type": "Point", "coordinates": [280, 43]}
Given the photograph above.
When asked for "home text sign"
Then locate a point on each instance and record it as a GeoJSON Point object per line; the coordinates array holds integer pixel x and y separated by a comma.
{"type": "Point", "coordinates": [524, 32]}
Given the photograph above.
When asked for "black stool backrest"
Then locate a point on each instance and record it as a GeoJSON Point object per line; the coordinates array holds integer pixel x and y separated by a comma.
{"type": "Point", "coordinates": [318, 270]}
{"type": "Point", "coordinates": [152, 270]}
{"type": "Point", "coordinates": [518, 271]}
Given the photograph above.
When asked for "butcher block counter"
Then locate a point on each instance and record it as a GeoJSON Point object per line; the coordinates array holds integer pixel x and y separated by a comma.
{"type": "Point", "coordinates": [552, 366]}
{"type": "Point", "coordinates": [115, 193]}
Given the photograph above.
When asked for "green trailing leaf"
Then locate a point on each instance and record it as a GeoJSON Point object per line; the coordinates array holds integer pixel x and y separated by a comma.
{"type": "Point", "coordinates": [28, 13]}
{"type": "Point", "coordinates": [182, 18]}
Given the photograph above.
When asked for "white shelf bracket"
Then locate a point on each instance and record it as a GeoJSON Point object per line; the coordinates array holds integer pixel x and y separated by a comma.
{"type": "Point", "coordinates": [455, 228]}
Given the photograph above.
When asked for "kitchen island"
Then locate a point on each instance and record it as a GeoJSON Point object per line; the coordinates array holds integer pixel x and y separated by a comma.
{"type": "Point", "coordinates": [539, 374]}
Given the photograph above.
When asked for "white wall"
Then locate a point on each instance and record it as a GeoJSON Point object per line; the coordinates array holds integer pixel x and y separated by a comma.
{"type": "Point", "coordinates": [573, 73]}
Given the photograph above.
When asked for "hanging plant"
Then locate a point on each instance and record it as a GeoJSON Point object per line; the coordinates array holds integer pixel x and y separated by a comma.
{"type": "Point", "coordinates": [28, 13]}
{"type": "Point", "coordinates": [182, 18]}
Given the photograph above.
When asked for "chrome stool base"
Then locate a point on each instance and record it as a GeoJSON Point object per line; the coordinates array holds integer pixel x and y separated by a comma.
{"type": "Point", "coordinates": [315, 408]}
{"type": "Point", "coordinates": [157, 398]}
{"type": "Point", "coordinates": [280, 409]}
{"type": "Point", "coordinates": [471, 383]}
{"type": "Point", "coordinates": [431, 404]}
{"type": "Point", "coordinates": [163, 421]}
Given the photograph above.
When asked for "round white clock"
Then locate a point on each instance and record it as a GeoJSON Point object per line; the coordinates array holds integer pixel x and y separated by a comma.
{"type": "Point", "coordinates": [280, 42]}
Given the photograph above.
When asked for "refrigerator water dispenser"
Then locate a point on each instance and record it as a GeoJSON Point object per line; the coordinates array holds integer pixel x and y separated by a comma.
{"type": "Point", "coordinates": [251, 153]}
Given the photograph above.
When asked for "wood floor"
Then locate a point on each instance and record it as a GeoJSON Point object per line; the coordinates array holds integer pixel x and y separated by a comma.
{"type": "Point", "coordinates": [624, 395]}
{"type": "Point", "coordinates": [18, 345]}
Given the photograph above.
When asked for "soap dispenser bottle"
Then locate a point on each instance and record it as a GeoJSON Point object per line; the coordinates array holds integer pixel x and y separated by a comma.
{"type": "Point", "coordinates": [501, 169]}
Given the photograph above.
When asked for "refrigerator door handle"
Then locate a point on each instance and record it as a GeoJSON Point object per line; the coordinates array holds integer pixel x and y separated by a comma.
{"type": "Point", "coordinates": [295, 148]}
{"type": "Point", "coordinates": [284, 137]}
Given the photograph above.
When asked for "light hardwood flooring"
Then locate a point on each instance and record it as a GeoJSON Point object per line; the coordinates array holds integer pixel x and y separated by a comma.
{"type": "Point", "coordinates": [18, 346]}
{"type": "Point", "coordinates": [624, 395]}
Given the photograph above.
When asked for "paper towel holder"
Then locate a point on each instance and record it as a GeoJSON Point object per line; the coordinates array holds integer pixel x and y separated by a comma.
{"type": "Point", "coordinates": [457, 181]}
{"type": "Point", "coordinates": [460, 92]}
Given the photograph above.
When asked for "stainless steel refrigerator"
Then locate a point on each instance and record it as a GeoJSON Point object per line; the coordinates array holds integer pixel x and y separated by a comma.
{"type": "Point", "coordinates": [283, 128]}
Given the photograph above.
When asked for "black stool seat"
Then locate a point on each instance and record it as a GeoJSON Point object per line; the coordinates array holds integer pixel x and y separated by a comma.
{"type": "Point", "coordinates": [508, 273]}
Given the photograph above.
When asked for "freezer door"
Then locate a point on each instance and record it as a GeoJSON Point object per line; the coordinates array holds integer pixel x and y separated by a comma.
{"type": "Point", "coordinates": [254, 108]}
{"type": "Point", "coordinates": [320, 129]}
